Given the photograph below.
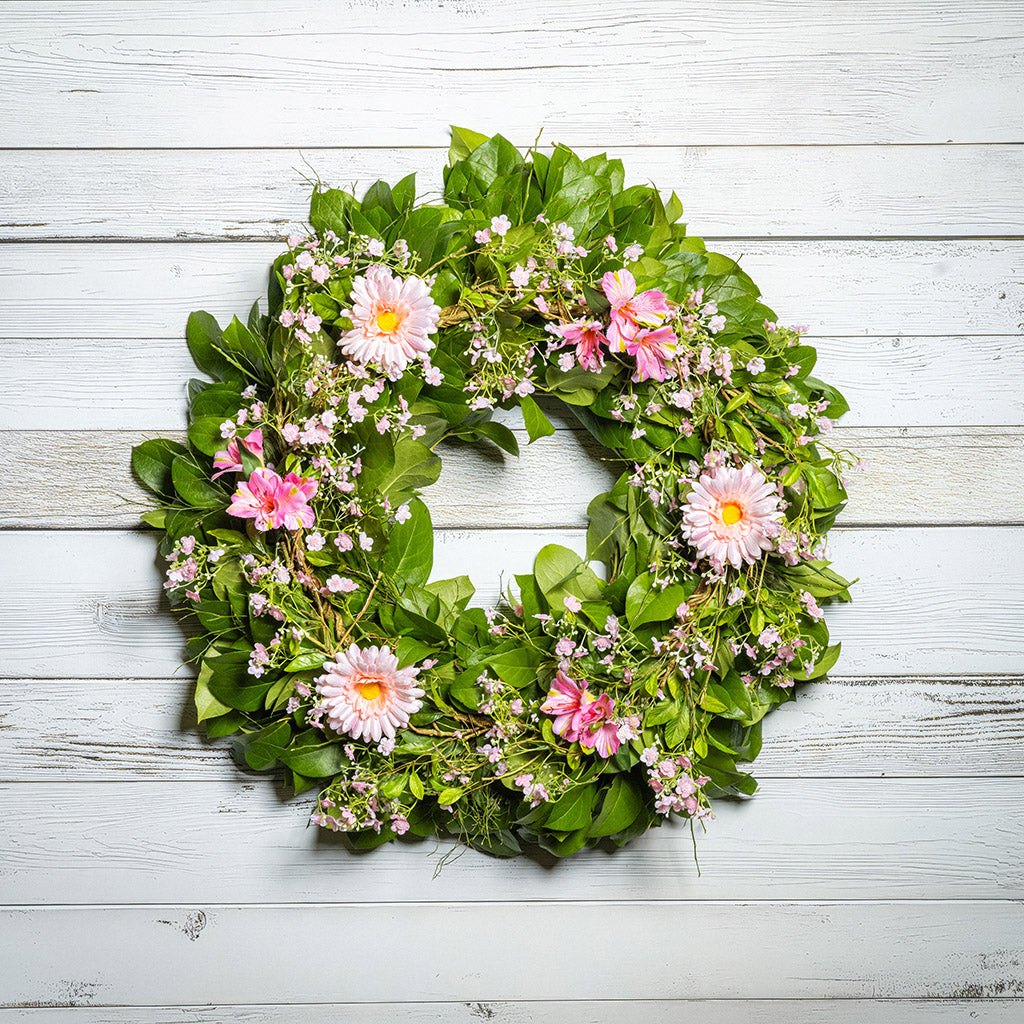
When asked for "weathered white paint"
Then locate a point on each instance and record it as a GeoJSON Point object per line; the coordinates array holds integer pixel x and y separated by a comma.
{"type": "Point", "coordinates": [847, 727]}
{"type": "Point", "coordinates": [889, 839]}
{"type": "Point", "coordinates": [583, 1011]}
{"type": "Point", "coordinates": [148, 289]}
{"type": "Point", "coordinates": [888, 191]}
{"type": "Point", "coordinates": [906, 481]}
{"type": "Point", "coordinates": [109, 794]}
{"type": "Point", "coordinates": [139, 383]}
{"type": "Point", "coordinates": [392, 73]}
{"type": "Point", "coordinates": [938, 601]}
{"type": "Point", "coordinates": [197, 953]}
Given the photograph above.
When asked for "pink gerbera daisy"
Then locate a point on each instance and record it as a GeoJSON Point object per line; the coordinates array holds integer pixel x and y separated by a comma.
{"type": "Point", "coordinates": [731, 515]}
{"type": "Point", "coordinates": [366, 695]}
{"type": "Point", "coordinates": [391, 320]}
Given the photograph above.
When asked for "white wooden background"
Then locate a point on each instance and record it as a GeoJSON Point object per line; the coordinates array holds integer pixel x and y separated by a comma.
{"type": "Point", "coordinates": [867, 161]}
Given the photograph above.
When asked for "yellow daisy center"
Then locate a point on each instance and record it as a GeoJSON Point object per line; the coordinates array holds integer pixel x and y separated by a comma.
{"type": "Point", "coordinates": [369, 689]}
{"type": "Point", "coordinates": [731, 513]}
{"type": "Point", "coordinates": [387, 320]}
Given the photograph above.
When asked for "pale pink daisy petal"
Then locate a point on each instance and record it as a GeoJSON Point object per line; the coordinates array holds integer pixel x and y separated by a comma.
{"type": "Point", "coordinates": [366, 695]}
{"type": "Point", "coordinates": [731, 515]}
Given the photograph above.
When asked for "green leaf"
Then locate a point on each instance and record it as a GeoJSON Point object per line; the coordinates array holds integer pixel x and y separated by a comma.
{"type": "Point", "coordinates": [152, 462]}
{"type": "Point", "coordinates": [464, 142]}
{"type": "Point", "coordinates": [207, 706]}
{"type": "Point", "coordinates": [574, 810]}
{"type": "Point", "coordinates": [306, 661]}
{"type": "Point", "coordinates": [204, 434]}
{"type": "Point", "coordinates": [561, 573]}
{"type": "Point", "coordinates": [500, 435]}
{"type": "Point", "coordinates": [202, 333]}
{"type": "Point", "coordinates": [537, 424]}
{"type": "Point", "coordinates": [415, 467]}
{"type": "Point", "coordinates": [456, 592]}
{"type": "Point", "coordinates": [645, 603]}
{"type": "Point", "coordinates": [311, 755]}
{"type": "Point", "coordinates": [450, 796]}
{"type": "Point", "coordinates": [265, 747]}
{"type": "Point", "coordinates": [622, 804]}
{"type": "Point", "coordinates": [410, 553]}
{"type": "Point", "coordinates": [194, 486]}
{"type": "Point", "coordinates": [822, 665]}
{"type": "Point", "coordinates": [517, 667]}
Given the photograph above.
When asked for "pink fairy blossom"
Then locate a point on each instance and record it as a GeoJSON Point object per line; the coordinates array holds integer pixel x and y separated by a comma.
{"type": "Point", "coordinates": [520, 276]}
{"type": "Point", "coordinates": [653, 351]}
{"type": "Point", "coordinates": [500, 225]}
{"type": "Point", "coordinates": [587, 337]}
{"type": "Point", "coordinates": [272, 501]}
{"type": "Point", "coordinates": [391, 320]}
{"type": "Point", "coordinates": [582, 717]}
{"type": "Point", "coordinates": [366, 695]}
{"type": "Point", "coordinates": [731, 514]}
{"type": "Point", "coordinates": [230, 461]}
{"type": "Point", "coordinates": [631, 311]}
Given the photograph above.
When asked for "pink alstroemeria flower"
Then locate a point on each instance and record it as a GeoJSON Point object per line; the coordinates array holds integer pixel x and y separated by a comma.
{"type": "Point", "coordinates": [230, 461]}
{"type": "Point", "coordinates": [580, 716]}
{"type": "Point", "coordinates": [600, 732]}
{"type": "Point", "coordinates": [631, 311]}
{"type": "Point", "coordinates": [652, 350]}
{"type": "Point", "coordinates": [272, 502]}
{"type": "Point", "coordinates": [587, 337]}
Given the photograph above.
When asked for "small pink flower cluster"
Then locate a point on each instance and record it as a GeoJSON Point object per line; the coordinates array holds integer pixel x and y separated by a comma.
{"type": "Point", "coordinates": [354, 805]}
{"type": "Point", "coordinates": [676, 790]}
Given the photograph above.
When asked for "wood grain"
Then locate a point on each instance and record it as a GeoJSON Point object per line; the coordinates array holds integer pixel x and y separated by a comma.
{"type": "Point", "coordinates": [838, 288]}
{"type": "Point", "coordinates": [769, 191]}
{"type": "Point", "coordinates": [930, 601]}
{"type": "Point", "coordinates": [908, 479]}
{"type": "Point", "coordinates": [373, 74]}
{"type": "Point", "coordinates": [115, 730]}
{"type": "Point", "coordinates": [583, 1011]}
{"type": "Point", "coordinates": [139, 383]}
{"type": "Point", "coordinates": [858, 839]}
{"type": "Point", "coordinates": [471, 952]}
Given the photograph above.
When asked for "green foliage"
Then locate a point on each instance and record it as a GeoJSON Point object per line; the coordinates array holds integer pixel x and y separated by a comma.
{"type": "Point", "coordinates": [676, 660]}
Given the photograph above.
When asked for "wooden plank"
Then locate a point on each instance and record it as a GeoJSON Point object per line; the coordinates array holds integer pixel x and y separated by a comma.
{"type": "Point", "coordinates": [930, 601]}
{"type": "Point", "coordinates": [155, 842]}
{"type": "Point", "coordinates": [584, 1011]}
{"type": "Point", "coordinates": [159, 955]}
{"type": "Point", "coordinates": [908, 479]}
{"type": "Point", "coordinates": [195, 75]}
{"type": "Point", "coordinates": [772, 191]}
{"type": "Point", "coordinates": [839, 288]}
{"type": "Point", "coordinates": [139, 384]}
{"type": "Point", "coordinates": [116, 730]}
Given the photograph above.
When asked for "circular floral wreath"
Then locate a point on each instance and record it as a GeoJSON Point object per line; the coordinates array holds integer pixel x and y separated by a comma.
{"type": "Point", "coordinates": [586, 706]}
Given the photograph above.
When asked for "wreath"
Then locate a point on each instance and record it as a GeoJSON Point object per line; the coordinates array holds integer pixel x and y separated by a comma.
{"type": "Point", "coordinates": [589, 704]}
